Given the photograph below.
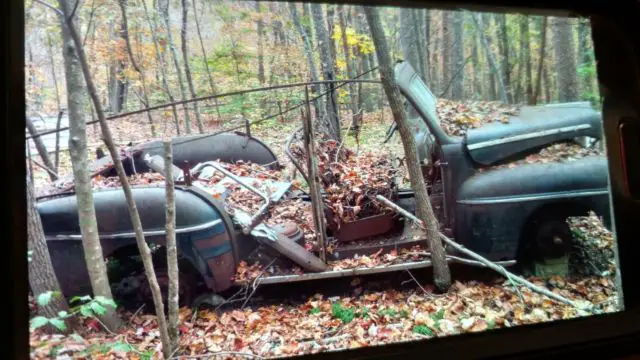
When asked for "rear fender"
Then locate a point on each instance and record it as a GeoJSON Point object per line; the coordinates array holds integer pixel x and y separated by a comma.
{"type": "Point", "coordinates": [493, 209]}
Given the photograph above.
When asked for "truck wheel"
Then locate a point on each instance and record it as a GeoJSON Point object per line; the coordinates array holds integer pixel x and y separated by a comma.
{"type": "Point", "coordinates": [552, 239]}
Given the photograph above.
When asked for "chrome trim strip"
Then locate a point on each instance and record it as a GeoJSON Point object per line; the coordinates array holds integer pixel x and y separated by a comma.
{"type": "Point", "coordinates": [204, 226]}
{"type": "Point", "coordinates": [547, 196]}
{"type": "Point", "coordinates": [527, 136]}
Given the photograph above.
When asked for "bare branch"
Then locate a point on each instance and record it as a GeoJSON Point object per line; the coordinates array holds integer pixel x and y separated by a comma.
{"type": "Point", "coordinates": [492, 265]}
{"type": "Point", "coordinates": [58, 11]}
{"type": "Point", "coordinates": [50, 171]}
{"type": "Point", "coordinates": [73, 12]}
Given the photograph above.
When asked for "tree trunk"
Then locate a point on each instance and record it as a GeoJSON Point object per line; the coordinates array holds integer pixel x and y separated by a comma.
{"type": "Point", "coordinates": [308, 53]}
{"type": "Point", "coordinates": [162, 65]}
{"type": "Point", "coordinates": [408, 39]}
{"type": "Point", "coordinates": [164, 10]}
{"type": "Point", "coordinates": [332, 122]}
{"type": "Point", "coordinates": [353, 101]}
{"type": "Point", "coordinates": [92, 247]}
{"type": "Point", "coordinates": [477, 75]}
{"type": "Point", "coordinates": [435, 71]}
{"type": "Point", "coordinates": [42, 150]}
{"type": "Point", "coordinates": [585, 60]}
{"type": "Point", "coordinates": [187, 69]}
{"type": "Point", "coordinates": [543, 45]}
{"type": "Point", "coordinates": [441, 274]}
{"type": "Point", "coordinates": [134, 63]}
{"type": "Point", "coordinates": [502, 35]}
{"type": "Point", "coordinates": [334, 53]}
{"type": "Point", "coordinates": [548, 85]}
{"type": "Point", "coordinates": [145, 253]}
{"type": "Point", "coordinates": [54, 77]}
{"type": "Point", "coordinates": [565, 63]}
{"type": "Point", "coordinates": [526, 58]}
{"type": "Point", "coordinates": [306, 14]}
{"type": "Point", "coordinates": [173, 297]}
{"type": "Point", "coordinates": [212, 86]}
{"type": "Point", "coordinates": [42, 276]}
{"type": "Point", "coordinates": [492, 62]}
{"type": "Point", "coordinates": [447, 50]}
{"type": "Point", "coordinates": [457, 58]}
{"type": "Point", "coordinates": [427, 42]}
{"type": "Point", "coordinates": [260, 29]}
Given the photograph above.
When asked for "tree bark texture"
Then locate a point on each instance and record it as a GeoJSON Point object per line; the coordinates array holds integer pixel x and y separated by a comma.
{"type": "Point", "coordinates": [42, 277]}
{"type": "Point", "coordinates": [408, 38]}
{"type": "Point", "coordinates": [543, 44]}
{"type": "Point", "coordinates": [320, 110]}
{"type": "Point", "coordinates": [441, 274]}
{"type": "Point", "coordinates": [76, 92]}
{"type": "Point", "coordinates": [173, 298]}
{"type": "Point", "coordinates": [260, 30]}
{"type": "Point", "coordinates": [565, 62]}
{"type": "Point", "coordinates": [187, 69]}
{"type": "Point", "coordinates": [212, 85]}
{"type": "Point", "coordinates": [162, 65]}
{"type": "Point", "coordinates": [446, 50]}
{"type": "Point", "coordinates": [585, 59]}
{"type": "Point", "coordinates": [525, 58]}
{"type": "Point", "coordinates": [134, 63]}
{"type": "Point", "coordinates": [143, 247]}
{"type": "Point", "coordinates": [457, 58]}
{"type": "Point", "coordinates": [332, 122]}
{"type": "Point", "coordinates": [164, 11]}
{"type": "Point", "coordinates": [353, 96]}
{"type": "Point", "coordinates": [503, 42]}
{"type": "Point", "coordinates": [478, 22]}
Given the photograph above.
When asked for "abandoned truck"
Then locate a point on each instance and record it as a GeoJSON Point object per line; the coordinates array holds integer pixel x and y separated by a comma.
{"type": "Point", "coordinates": [509, 215]}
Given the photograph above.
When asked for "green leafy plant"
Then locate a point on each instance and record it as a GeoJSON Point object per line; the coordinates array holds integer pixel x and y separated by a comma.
{"type": "Point", "coordinates": [88, 308]}
{"type": "Point", "coordinates": [389, 312]}
{"type": "Point", "coordinates": [363, 313]}
{"type": "Point", "coordinates": [422, 330]}
{"type": "Point", "coordinates": [346, 315]}
{"type": "Point", "coordinates": [438, 315]}
{"type": "Point", "coordinates": [315, 310]}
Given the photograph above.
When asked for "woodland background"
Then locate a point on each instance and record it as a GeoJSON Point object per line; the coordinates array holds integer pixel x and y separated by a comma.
{"type": "Point", "coordinates": [192, 48]}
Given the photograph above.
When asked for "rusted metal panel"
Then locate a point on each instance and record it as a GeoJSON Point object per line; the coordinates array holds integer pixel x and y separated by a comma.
{"type": "Point", "coordinates": [363, 228]}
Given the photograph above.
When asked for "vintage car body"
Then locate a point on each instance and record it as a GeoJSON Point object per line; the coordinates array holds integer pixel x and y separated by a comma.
{"type": "Point", "coordinates": [505, 214]}
{"type": "Point", "coordinates": [492, 211]}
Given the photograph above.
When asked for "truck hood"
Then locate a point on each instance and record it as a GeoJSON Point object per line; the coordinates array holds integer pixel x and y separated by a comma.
{"type": "Point", "coordinates": [534, 127]}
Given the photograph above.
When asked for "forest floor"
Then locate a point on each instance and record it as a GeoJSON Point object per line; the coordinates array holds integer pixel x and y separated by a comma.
{"type": "Point", "coordinates": [362, 312]}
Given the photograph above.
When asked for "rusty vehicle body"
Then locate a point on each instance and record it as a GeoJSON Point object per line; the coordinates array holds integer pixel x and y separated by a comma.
{"type": "Point", "coordinates": [500, 214]}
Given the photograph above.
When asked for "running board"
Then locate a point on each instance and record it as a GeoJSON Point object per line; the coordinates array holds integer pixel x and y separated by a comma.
{"type": "Point", "coordinates": [333, 274]}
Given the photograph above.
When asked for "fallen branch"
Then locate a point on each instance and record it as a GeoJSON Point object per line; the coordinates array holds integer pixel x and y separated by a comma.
{"type": "Point", "coordinates": [488, 263]}
{"type": "Point", "coordinates": [418, 283]}
{"type": "Point", "coordinates": [50, 171]}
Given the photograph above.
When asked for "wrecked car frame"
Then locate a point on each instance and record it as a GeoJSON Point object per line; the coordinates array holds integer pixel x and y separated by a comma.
{"type": "Point", "coordinates": [507, 215]}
